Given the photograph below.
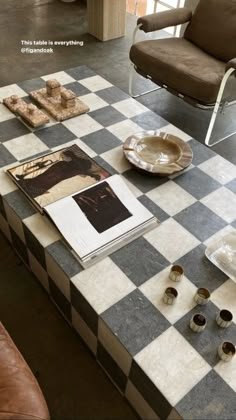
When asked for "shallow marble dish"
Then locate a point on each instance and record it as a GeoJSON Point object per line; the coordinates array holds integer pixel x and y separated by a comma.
{"type": "Point", "coordinates": [222, 253]}
{"type": "Point", "coordinates": [157, 152]}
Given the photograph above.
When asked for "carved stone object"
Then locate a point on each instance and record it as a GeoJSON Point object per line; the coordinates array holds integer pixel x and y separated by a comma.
{"type": "Point", "coordinates": [29, 112]}
{"type": "Point", "coordinates": [68, 98]}
{"type": "Point", "coordinates": [53, 88]}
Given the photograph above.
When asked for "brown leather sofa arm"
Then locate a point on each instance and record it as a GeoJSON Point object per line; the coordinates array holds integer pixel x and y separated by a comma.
{"type": "Point", "coordinates": [231, 65]}
{"type": "Point", "coordinates": [165, 19]}
{"type": "Point", "coordinates": [20, 395]}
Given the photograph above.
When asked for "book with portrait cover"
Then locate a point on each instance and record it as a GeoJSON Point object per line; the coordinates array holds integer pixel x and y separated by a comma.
{"type": "Point", "coordinates": [96, 213]}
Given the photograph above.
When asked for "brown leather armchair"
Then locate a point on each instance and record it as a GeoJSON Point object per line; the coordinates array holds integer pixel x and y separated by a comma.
{"type": "Point", "coordinates": [199, 67]}
{"type": "Point", "coordinates": [20, 395]}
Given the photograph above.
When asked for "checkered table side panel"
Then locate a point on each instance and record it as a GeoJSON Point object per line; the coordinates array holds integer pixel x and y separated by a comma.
{"type": "Point", "coordinates": [116, 306]}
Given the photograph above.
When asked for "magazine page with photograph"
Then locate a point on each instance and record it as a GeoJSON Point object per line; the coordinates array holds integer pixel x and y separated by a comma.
{"type": "Point", "coordinates": [99, 216]}
{"type": "Point", "coordinates": [56, 175]}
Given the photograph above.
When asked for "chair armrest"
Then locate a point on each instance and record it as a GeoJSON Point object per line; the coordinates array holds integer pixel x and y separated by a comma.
{"type": "Point", "coordinates": [231, 65]}
{"type": "Point", "coordinates": [162, 20]}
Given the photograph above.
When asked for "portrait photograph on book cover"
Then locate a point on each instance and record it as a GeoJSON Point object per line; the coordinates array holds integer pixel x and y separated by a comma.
{"type": "Point", "coordinates": [55, 175]}
{"type": "Point", "coordinates": [102, 207]}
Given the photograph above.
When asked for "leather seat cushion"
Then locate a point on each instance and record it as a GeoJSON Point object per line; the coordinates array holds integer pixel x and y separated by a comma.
{"type": "Point", "coordinates": [20, 395]}
{"type": "Point", "coordinates": [182, 66]}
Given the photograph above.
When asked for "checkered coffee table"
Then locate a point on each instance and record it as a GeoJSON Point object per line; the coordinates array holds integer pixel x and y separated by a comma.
{"type": "Point", "coordinates": [146, 347]}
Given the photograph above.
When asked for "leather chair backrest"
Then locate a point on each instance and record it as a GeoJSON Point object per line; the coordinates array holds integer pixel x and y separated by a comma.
{"type": "Point", "coordinates": [213, 28]}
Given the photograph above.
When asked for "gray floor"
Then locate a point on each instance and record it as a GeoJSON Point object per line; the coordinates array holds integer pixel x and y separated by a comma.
{"type": "Point", "coordinates": [75, 387]}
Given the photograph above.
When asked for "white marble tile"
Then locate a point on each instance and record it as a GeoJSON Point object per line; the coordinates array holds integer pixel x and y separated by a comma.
{"type": "Point", "coordinates": [172, 364]}
{"type": "Point", "coordinates": [6, 184]}
{"type": "Point", "coordinates": [14, 221]}
{"type": "Point", "coordinates": [172, 240]}
{"type": "Point", "coordinates": [93, 101]}
{"type": "Point", "coordinates": [124, 129]}
{"type": "Point", "coordinates": [60, 76]}
{"type": "Point", "coordinates": [171, 197]}
{"type": "Point", "coordinates": [103, 284]}
{"type": "Point", "coordinates": [116, 159]}
{"type": "Point", "coordinates": [130, 107]}
{"type": "Point", "coordinates": [11, 90]}
{"type": "Point", "coordinates": [171, 129]}
{"type": "Point", "coordinates": [42, 229]}
{"type": "Point", "coordinates": [154, 289]}
{"type": "Point", "coordinates": [114, 347]}
{"type": "Point", "coordinates": [4, 227]}
{"type": "Point", "coordinates": [95, 83]}
{"type": "Point", "coordinates": [84, 331]}
{"type": "Point", "coordinates": [219, 168]}
{"type": "Point", "coordinates": [227, 371]}
{"type": "Point", "coordinates": [223, 203]}
{"type": "Point", "coordinates": [24, 146]}
{"type": "Point", "coordinates": [82, 125]}
{"type": "Point", "coordinates": [61, 280]}
{"type": "Point", "coordinates": [38, 271]}
{"type": "Point", "coordinates": [5, 114]}
{"type": "Point", "coordinates": [138, 402]}
{"type": "Point", "coordinates": [224, 297]}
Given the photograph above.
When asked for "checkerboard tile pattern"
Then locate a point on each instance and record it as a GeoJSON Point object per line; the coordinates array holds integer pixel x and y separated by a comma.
{"type": "Point", "coordinates": [146, 347]}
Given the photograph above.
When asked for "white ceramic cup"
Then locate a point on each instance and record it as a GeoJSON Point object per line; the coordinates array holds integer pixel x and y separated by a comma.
{"type": "Point", "coordinates": [202, 296]}
{"type": "Point", "coordinates": [198, 322]}
{"type": "Point", "coordinates": [224, 318]}
{"type": "Point", "coordinates": [176, 273]}
{"type": "Point", "coordinates": [170, 295]}
{"type": "Point", "coordinates": [226, 351]}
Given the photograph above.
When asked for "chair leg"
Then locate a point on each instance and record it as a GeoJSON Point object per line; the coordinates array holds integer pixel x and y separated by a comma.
{"type": "Point", "coordinates": [131, 78]}
{"type": "Point", "coordinates": [216, 110]}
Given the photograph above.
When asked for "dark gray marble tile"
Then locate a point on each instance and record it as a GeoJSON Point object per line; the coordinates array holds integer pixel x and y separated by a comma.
{"type": "Point", "coordinates": [210, 399]}
{"type": "Point", "coordinates": [112, 95]}
{"type": "Point", "coordinates": [139, 260]}
{"type": "Point", "coordinates": [77, 88]}
{"type": "Point", "coordinates": [19, 246]}
{"type": "Point", "coordinates": [149, 391]}
{"type": "Point", "coordinates": [65, 259]}
{"type": "Point", "coordinates": [84, 309]}
{"type": "Point", "coordinates": [232, 186]}
{"type": "Point", "coordinates": [200, 270]}
{"type": "Point", "coordinates": [207, 341]}
{"type": "Point", "coordinates": [11, 129]}
{"type": "Point", "coordinates": [81, 72]}
{"type": "Point", "coordinates": [35, 247]}
{"type": "Point", "coordinates": [36, 155]}
{"type": "Point", "coordinates": [6, 158]}
{"type": "Point", "coordinates": [18, 202]}
{"type": "Point", "coordinates": [135, 321]}
{"type": "Point", "coordinates": [101, 141]}
{"type": "Point", "coordinates": [33, 84]}
{"type": "Point", "coordinates": [55, 135]}
{"type": "Point", "coordinates": [61, 301]}
{"type": "Point", "coordinates": [111, 367]}
{"type": "Point", "coordinates": [2, 209]}
{"type": "Point", "coordinates": [107, 116]}
{"type": "Point", "coordinates": [234, 224]}
{"type": "Point", "coordinates": [201, 153]}
{"type": "Point", "coordinates": [105, 165]}
{"type": "Point", "coordinates": [200, 221]}
{"type": "Point", "coordinates": [143, 181]}
{"type": "Point", "coordinates": [160, 214]}
{"type": "Point", "coordinates": [197, 183]}
{"type": "Point", "coordinates": [149, 121]}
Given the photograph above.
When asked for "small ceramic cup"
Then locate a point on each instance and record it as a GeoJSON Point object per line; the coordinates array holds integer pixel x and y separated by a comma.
{"type": "Point", "coordinates": [224, 318]}
{"type": "Point", "coordinates": [176, 273]}
{"type": "Point", "coordinates": [170, 295]}
{"type": "Point", "coordinates": [226, 351]}
{"type": "Point", "coordinates": [198, 322]}
{"type": "Point", "coordinates": [202, 296]}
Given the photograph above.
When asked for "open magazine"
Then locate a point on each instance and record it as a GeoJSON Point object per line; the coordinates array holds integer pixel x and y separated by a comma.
{"type": "Point", "coordinates": [96, 213]}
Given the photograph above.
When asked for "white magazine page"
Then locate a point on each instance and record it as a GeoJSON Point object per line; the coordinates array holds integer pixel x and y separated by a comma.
{"type": "Point", "coordinates": [86, 236]}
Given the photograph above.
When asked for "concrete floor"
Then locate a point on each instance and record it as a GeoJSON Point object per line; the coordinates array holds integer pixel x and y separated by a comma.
{"type": "Point", "coordinates": [74, 386]}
